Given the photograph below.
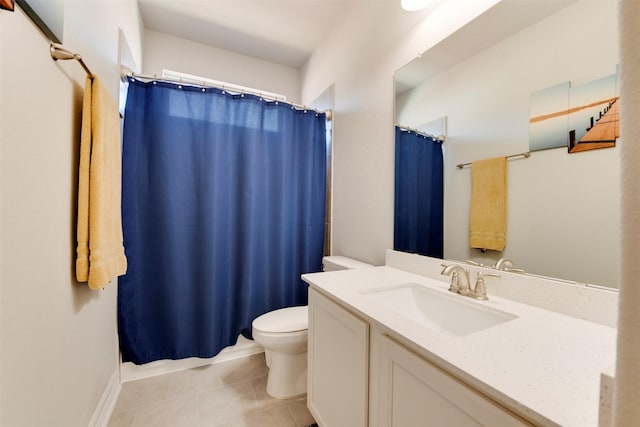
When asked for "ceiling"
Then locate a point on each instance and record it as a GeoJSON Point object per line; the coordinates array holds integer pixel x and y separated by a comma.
{"type": "Point", "coordinates": [497, 23]}
{"type": "Point", "coordinates": [287, 32]}
{"type": "Point", "coordinates": [281, 31]}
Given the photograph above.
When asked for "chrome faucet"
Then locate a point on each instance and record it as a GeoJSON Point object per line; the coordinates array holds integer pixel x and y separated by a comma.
{"type": "Point", "coordinates": [459, 278]}
{"type": "Point", "coordinates": [460, 281]}
{"type": "Point", "coordinates": [503, 264]}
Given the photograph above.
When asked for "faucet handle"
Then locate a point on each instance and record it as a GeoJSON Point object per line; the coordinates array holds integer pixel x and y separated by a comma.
{"type": "Point", "coordinates": [454, 286]}
{"type": "Point", "coordinates": [482, 274]}
{"type": "Point", "coordinates": [457, 272]}
{"type": "Point", "coordinates": [480, 290]}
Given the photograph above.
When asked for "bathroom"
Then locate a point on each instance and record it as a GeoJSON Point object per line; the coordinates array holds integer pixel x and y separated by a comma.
{"type": "Point", "coordinates": [59, 351]}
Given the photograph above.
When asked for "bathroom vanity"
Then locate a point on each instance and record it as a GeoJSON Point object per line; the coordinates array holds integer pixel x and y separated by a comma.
{"type": "Point", "coordinates": [391, 347]}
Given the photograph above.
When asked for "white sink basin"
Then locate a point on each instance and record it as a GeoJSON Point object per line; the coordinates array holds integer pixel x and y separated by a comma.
{"type": "Point", "coordinates": [453, 313]}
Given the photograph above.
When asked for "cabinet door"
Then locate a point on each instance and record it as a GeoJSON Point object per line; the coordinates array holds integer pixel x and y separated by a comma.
{"type": "Point", "coordinates": [338, 364]}
{"type": "Point", "coordinates": [415, 393]}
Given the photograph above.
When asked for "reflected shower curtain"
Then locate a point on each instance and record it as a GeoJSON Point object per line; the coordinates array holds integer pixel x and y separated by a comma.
{"type": "Point", "coordinates": [419, 199]}
{"type": "Point", "coordinates": [223, 209]}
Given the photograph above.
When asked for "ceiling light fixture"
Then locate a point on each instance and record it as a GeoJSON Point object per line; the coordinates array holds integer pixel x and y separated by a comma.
{"type": "Point", "coordinates": [414, 5]}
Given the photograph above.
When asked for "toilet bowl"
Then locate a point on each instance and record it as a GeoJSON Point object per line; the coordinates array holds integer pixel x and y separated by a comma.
{"type": "Point", "coordinates": [283, 334]}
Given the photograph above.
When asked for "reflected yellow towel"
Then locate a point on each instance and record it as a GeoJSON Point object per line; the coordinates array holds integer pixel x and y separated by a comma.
{"type": "Point", "coordinates": [488, 216]}
{"type": "Point", "coordinates": [100, 251]}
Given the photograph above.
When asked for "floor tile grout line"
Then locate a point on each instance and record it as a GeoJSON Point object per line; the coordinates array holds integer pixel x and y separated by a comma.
{"type": "Point", "coordinates": [222, 385]}
{"type": "Point", "coordinates": [291, 415]}
{"type": "Point", "coordinates": [135, 416]}
{"type": "Point", "coordinates": [154, 402]}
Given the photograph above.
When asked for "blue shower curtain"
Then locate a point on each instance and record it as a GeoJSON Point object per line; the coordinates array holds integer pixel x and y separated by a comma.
{"type": "Point", "coordinates": [223, 209]}
{"type": "Point", "coordinates": [418, 219]}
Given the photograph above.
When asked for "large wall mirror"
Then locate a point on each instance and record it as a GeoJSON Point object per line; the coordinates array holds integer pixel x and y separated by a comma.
{"type": "Point", "coordinates": [48, 15]}
{"type": "Point", "coordinates": [563, 208]}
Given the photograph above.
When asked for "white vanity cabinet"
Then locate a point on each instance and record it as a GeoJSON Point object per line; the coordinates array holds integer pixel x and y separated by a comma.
{"type": "Point", "coordinates": [412, 392]}
{"type": "Point", "coordinates": [373, 347]}
{"type": "Point", "coordinates": [337, 390]}
{"type": "Point", "coordinates": [406, 389]}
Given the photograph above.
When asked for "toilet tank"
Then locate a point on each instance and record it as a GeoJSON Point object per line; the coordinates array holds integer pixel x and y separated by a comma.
{"type": "Point", "coordinates": [334, 263]}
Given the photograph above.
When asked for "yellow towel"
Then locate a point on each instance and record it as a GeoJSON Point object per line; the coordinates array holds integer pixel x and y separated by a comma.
{"type": "Point", "coordinates": [488, 216]}
{"type": "Point", "coordinates": [100, 251]}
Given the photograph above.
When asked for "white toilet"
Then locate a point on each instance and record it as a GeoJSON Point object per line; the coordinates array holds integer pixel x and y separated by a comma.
{"type": "Point", "coordinates": [283, 334]}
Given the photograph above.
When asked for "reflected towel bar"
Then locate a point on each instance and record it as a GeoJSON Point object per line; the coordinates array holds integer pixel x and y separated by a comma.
{"type": "Point", "coordinates": [58, 52]}
{"type": "Point", "coordinates": [525, 155]}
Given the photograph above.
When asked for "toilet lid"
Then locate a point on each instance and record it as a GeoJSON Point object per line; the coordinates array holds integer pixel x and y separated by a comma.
{"type": "Point", "coordinates": [289, 319]}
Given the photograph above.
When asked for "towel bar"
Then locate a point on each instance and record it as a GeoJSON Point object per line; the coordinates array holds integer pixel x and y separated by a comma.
{"type": "Point", "coordinates": [525, 155]}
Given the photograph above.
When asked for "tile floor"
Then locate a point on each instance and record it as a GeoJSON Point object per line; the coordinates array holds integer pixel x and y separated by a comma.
{"type": "Point", "coordinates": [227, 394]}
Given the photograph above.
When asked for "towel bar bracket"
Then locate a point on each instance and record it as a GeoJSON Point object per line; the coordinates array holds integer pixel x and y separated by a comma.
{"type": "Point", "coordinates": [59, 53]}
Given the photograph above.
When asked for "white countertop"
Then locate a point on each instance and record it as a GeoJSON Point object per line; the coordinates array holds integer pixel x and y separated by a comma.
{"type": "Point", "coordinates": [543, 365]}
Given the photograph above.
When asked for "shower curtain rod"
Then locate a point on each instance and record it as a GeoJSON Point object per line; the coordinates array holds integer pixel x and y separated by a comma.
{"type": "Point", "coordinates": [58, 52]}
{"type": "Point", "coordinates": [126, 73]}
{"type": "Point", "coordinates": [439, 138]}
{"type": "Point", "coordinates": [525, 155]}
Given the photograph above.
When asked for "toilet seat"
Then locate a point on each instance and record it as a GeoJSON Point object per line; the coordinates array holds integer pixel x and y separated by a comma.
{"type": "Point", "coordinates": [289, 319]}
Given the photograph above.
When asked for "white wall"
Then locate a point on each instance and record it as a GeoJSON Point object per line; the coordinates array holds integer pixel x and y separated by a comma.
{"type": "Point", "coordinates": [59, 347]}
{"type": "Point", "coordinates": [563, 208]}
{"type": "Point", "coordinates": [177, 54]}
{"type": "Point", "coordinates": [360, 56]}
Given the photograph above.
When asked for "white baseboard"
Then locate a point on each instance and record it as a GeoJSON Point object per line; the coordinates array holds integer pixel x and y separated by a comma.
{"type": "Point", "coordinates": [132, 372]}
{"type": "Point", "coordinates": [107, 402]}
